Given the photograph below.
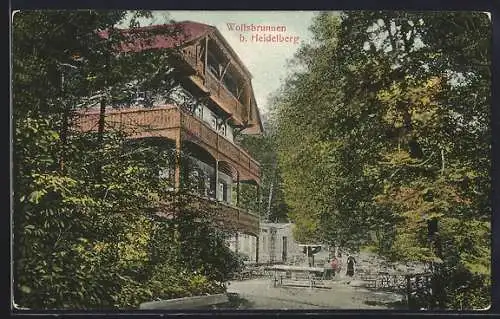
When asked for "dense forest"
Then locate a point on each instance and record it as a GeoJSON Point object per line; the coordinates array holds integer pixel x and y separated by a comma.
{"type": "Point", "coordinates": [383, 141]}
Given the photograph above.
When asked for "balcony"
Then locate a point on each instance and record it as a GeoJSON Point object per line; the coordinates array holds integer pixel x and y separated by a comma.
{"type": "Point", "coordinates": [207, 81]}
{"type": "Point", "coordinates": [169, 122]}
{"type": "Point", "coordinates": [189, 54]}
{"type": "Point", "coordinates": [224, 98]}
{"type": "Point", "coordinates": [229, 216]}
{"type": "Point", "coordinates": [247, 222]}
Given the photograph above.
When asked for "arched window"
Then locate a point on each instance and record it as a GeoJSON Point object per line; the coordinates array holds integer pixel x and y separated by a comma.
{"type": "Point", "coordinates": [222, 129]}
{"type": "Point", "coordinates": [209, 187]}
{"type": "Point", "coordinates": [166, 173]}
{"type": "Point", "coordinates": [198, 112]}
{"type": "Point", "coordinates": [197, 181]}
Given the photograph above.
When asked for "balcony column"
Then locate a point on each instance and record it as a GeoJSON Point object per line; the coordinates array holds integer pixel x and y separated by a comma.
{"type": "Point", "coordinates": [237, 189]}
{"type": "Point", "coordinates": [257, 249]}
{"type": "Point", "coordinates": [257, 243]}
{"type": "Point", "coordinates": [216, 192]}
{"type": "Point", "coordinates": [249, 101]}
{"type": "Point", "coordinates": [178, 146]}
{"type": "Point", "coordinates": [237, 242]}
{"type": "Point", "coordinates": [258, 199]}
{"type": "Point", "coordinates": [205, 62]}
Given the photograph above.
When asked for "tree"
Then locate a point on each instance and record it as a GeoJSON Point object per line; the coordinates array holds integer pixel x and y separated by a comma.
{"type": "Point", "coordinates": [383, 128]}
{"type": "Point", "coordinates": [86, 232]}
{"type": "Point", "coordinates": [262, 148]}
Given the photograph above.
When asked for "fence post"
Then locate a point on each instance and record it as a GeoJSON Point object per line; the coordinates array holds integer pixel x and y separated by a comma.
{"type": "Point", "coordinates": [408, 290]}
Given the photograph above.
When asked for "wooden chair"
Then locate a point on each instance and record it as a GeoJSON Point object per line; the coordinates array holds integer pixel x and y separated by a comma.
{"type": "Point", "coordinates": [318, 280]}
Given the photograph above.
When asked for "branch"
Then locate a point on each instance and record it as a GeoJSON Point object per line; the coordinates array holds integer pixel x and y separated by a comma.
{"type": "Point", "coordinates": [59, 236]}
{"type": "Point", "coordinates": [424, 162]}
{"type": "Point", "coordinates": [105, 194]}
{"type": "Point", "coordinates": [442, 161]}
{"type": "Point", "coordinates": [409, 165]}
{"type": "Point", "coordinates": [393, 44]}
{"type": "Point", "coordinates": [395, 172]}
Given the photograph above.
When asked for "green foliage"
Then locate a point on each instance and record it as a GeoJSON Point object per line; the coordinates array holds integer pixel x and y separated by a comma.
{"type": "Point", "coordinates": [272, 204]}
{"type": "Point", "coordinates": [108, 250]}
{"type": "Point", "coordinates": [384, 126]}
{"type": "Point", "coordinates": [87, 233]}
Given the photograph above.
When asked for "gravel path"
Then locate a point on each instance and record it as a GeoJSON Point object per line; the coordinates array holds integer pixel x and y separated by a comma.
{"type": "Point", "coordinates": [258, 294]}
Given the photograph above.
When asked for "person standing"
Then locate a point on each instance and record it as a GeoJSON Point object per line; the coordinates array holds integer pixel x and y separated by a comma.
{"type": "Point", "coordinates": [350, 266]}
{"type": "Point", "coordinates": [339, 263]}
{"type": "Point", "coordinates": [334, 263]}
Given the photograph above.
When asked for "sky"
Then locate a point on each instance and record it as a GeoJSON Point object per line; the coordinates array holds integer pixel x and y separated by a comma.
{"type": "Point", "coordinates": [266, 61]}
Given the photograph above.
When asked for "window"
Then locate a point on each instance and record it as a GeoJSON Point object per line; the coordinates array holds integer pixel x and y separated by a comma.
{"type": "Point", "coordinates": [199, 111]}
{"type": "Point", "coordinates": [208, 187]}
{"type": "Point", "coordinates": [166, 174]}
{"type": "Point", "coordinates": [231, 84]}
{"type": "Point", "coordinates": [213, 64]}
{"type": "Point", "coordinates": [222, 129]}
{"type": "Point", "coordinates": [222, 192]}
{"type": "Point", "coordinates": [213, 122]}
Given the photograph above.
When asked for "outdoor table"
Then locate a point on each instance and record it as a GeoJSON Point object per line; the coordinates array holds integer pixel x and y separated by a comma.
{"type": "Point", "coordinates": [310, 271]}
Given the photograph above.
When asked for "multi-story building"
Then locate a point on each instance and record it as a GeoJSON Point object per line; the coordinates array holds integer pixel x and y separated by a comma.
{"type": "Point", "coordinates": [213, 101]}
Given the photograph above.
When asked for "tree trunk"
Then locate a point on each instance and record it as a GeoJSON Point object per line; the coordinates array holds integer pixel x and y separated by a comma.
{"type": "Point", "coordinates": [442, 161]}
{"type": "Point", "coordinates": [64, 138]}
{"type": "Point", "coordinates": [100, 136]}
{"type": "Point", "coordinates": [268, 214]}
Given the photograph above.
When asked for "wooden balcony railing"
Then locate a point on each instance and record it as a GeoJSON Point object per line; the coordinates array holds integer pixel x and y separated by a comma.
{"type": "Point", "coordinates": [200, 130]}
{"type": "Point", "coordinates": [234, 217]}
{"type": "Point", "coordinates": [165, 121]}
{"type": "Point", "coordinates": [190, 55]}
{"type": "Point", "coordinates": [231, 152]}
{"type": "Point", "coordinates": [230, 217]}
{"type": "Point", "coordinates": [224, 97]}
{"type": "Point", "coordinates": [227, 216]}
{"type": "Point", "coordinates": [133, 120]}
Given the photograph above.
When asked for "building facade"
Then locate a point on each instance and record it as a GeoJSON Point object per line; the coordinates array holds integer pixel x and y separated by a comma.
{"type": "Point", "coordinates": [200, 116]}
{"type": "Point", "coordinates": [275, 245]}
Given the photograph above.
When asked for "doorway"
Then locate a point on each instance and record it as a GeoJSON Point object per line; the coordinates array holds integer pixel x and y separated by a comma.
{"type": "Point", "coordinates": [285, 248]}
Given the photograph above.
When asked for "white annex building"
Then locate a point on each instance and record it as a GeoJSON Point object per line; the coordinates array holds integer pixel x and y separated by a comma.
{"type": "Point", "coordinates": [276, 244]}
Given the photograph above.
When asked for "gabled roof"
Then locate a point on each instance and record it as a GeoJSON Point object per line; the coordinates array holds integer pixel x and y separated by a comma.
{"type": "Point", "coordinates": [167, 36]}
{"type": "Point", "coordinates": [162, 36]}
{"type": "Point", "coordinates": [253, 129]}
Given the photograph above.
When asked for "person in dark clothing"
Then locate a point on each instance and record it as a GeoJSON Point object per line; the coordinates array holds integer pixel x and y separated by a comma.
{"type": "Point", "coordinates": [350, 266]}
